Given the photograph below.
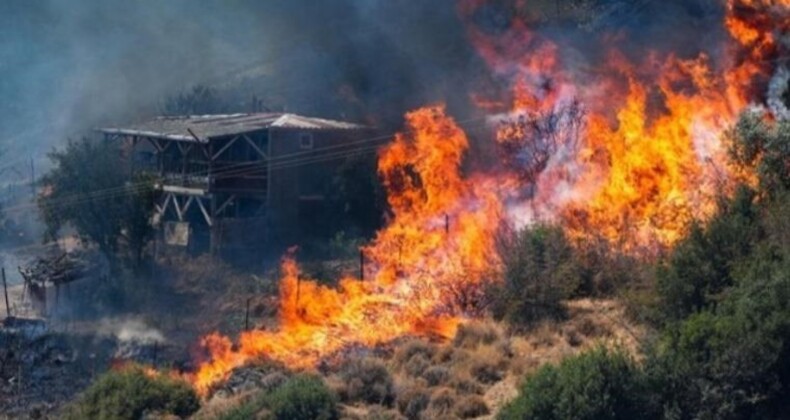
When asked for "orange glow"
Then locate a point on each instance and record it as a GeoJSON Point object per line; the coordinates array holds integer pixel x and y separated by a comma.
{"type": "Point", "coordinates": [439, 241]}
{"type": "Point", "coordinates": [650, 157]}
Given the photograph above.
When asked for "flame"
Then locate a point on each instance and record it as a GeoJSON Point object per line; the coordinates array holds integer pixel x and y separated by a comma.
{"type": "Point", "coordinates": [648, 157]}
{"type": "Point", "coordinates": [630, 151]}
{"type": "Point", "coordinates": [438, 244]}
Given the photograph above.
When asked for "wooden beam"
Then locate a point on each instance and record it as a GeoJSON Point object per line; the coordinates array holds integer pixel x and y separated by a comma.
{"type": "Point", "coordinates": [185, 149]}
{"type": "Point", "coordinates": [255, 146]}
{"type": "Point", "coordinates": [155, 143]}
{"type": "Point", "coordinates": [178, 209]}
{"type": "Point", "coordinates": [224, 148]}
{"type": "Point", "coordinates": [225, 204]}
{"type": "Point", "coordinates": [175, 189]}
{"type": "Point", "coordinates": [205, 213]}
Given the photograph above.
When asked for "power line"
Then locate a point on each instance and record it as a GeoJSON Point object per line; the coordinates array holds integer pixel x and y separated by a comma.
{"type": "Point", "coordinates": [281, 162]}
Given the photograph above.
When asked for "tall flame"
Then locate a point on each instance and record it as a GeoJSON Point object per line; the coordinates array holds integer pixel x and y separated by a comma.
{"type": "Point", "coordinates": [440, 240]}
{"type": "Point", "coordinates": [650, 156]}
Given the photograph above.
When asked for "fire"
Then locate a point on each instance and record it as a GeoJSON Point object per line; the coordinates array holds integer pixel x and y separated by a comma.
{"type": "Point", "coordinates": [630, 151]}
{"type": "Point", "coordinates": [647, 157]}
{"type": "Point", "coordinates": [437, 247]}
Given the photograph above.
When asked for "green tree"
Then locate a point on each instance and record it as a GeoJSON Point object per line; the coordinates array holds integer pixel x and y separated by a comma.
{"type": "Point", "coordinates": [90, 189]}
{"type": "Point", "coordinates": [539, 271]}
{"type": "Point", "coordinates": [762, 144]}
{"type": "Point", "coordinates": [700, 267]}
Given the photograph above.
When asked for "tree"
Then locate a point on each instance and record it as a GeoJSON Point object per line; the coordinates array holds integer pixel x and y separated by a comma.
{"type": "Point", "coordinates": [539, 272]}
{"type": "Point", "coordinates": [199, 100]}
{"type": "Point", "coordinates": [700, 268]}
{"type": "Point", "coordinates": [90, 189]}
{"type": "Point", "coordinates": [762, 144]}
{"type": "Point", "coordinates": [598, 384]}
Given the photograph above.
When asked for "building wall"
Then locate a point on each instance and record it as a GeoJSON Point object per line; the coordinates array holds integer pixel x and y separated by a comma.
{"type": "Point", "coordinates": [300, 176]}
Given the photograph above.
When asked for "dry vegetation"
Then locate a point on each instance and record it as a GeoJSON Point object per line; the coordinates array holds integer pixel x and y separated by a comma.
{"type": "Point", "coordinates": [472, 376]}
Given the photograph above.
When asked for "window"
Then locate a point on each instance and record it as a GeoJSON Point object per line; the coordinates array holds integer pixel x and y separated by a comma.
{"type": "Point", "coordinates": [305, 140]}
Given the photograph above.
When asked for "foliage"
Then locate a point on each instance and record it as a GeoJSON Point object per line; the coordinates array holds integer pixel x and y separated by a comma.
{"type": "Point", "coordinates": [303, 397]}
{"type": "Point", "coordinates": [539, 273]}
{"type": "Point", "coordinates": [200, 100]}
{"type": "Point", "coordinates": [91, 190]}
{"type": "Point", "coordinates": [762, 144]}
{"type": "Point", "coordinates": [132, 392]}
{"type": "Point", "coordinates": [733, 360]}
{"type": "Point", "coordinates": [594, 385]}
{"type": "Point", "coordinates": [699, 269]}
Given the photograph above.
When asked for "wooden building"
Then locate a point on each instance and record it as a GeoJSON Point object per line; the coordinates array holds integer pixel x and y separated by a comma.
{"type": "Point", "coordinates": [242, 179]}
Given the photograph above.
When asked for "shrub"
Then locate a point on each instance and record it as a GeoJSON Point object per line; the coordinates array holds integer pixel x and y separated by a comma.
{"type": "Point", "coordinates": [540, 272]}
{"type": "Point", "coordinates": [411, 348]}
{"type": "Point", "coordinates": [463, 383]}
{"type": "Point", "coordinates": [131, 392]}
{"type": "Point", "coordinates": [367, 380]}
{"type": "Point", "coordinates": [471, 407]}
{"type": "Point", "coordinates": [436, 375]}
{"type": "Point", "coordinates": [596, 384]}
{"type": "Point", "coordinates": [303, 397]}
{"type": "Point", "coordinates": [733, 361]}
{"type": "Point", "coordinates": [699, 269]}
{"type": "Point", "coordinates": [412, 399]}
{"type": "Point", "coordinates": [441, 404]}
{"type": "Point", "coordinates": [487, 365]}
{"type": "Point", "coordinates": [473, 334]}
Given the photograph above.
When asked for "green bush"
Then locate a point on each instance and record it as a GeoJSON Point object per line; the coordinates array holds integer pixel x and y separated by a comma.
{"type": "Point", "coordinates": [131, 392]}
{"type": "Point", "coordinates": [303, 397]}
{"type": "Point", "coordinates": [540, 272]}
{"type": "Point", "coordinates": [732, 361]}
{"type": "Point", "coordinates": [700, 268]}
{"type": "Point", "coordinates": [598, 384]}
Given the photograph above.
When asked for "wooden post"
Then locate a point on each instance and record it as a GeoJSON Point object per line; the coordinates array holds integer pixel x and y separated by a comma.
{"type": "Point", "coordinates": [5, 291]}
{"type": "Point", "coordinates": [446, 223]}
{"type": "Point", "coordinates": [33, 179]}
{"type": "Point", "coordinates": [361, 264]}
{"type": "Point", "coordinates": [247, 316]}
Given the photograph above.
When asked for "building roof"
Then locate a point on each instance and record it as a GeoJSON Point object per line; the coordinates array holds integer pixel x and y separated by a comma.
{"type": "Point", "coordinates": [206, 127]}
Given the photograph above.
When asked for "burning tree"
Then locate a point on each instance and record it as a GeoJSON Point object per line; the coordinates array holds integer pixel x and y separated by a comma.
{"type": "Point", "coordinates": [528, 141]}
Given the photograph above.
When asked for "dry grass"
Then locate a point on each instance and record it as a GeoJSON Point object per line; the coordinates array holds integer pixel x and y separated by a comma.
{"type": "Point", "coordinates": [471, 407]}
{"type": "Point", "coordinates": [476, 373]}
{"type": "Point", "coordinates": [366, 380]}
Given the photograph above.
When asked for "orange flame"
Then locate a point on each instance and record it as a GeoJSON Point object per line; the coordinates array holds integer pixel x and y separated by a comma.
{"type": "Point", "coordinates": [650, 156]}
{"type": "Point", "coordinates": [645, 158]}
{"type": "Point", "coordinates": [440, 240]}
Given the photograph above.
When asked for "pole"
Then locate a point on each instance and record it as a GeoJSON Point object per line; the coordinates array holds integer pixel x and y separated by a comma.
{"type": "Point", "coordinates": [446, 224]}
{"type": "Point", "coordinates": [247, 316]}
{"type": "Point", "coordinates": [5, 291]}
{"type": "Point", "coordinates": [361, 264]}
{"type": "Point", "coordinates": [32, 178]}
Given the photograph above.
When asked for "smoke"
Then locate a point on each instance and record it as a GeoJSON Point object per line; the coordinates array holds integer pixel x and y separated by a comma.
{"type": "Point", "coordinates": [130, 330]}
{"type": "Point", "coordinates": [67, 66]}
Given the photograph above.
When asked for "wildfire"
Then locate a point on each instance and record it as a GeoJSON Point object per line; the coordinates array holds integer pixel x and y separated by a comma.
{"type": "Point", "coordinates": [630, 151]}
{"type": "Point", "coordinates": [421, 269]}
{"type": "Point", "coordinates": [649, 156]}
